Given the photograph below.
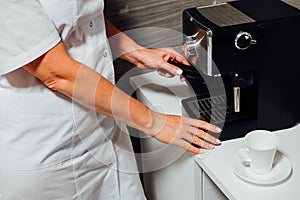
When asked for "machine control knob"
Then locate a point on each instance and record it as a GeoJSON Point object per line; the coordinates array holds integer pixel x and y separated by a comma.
{"type": "Point", "coordinates": [243, 40]}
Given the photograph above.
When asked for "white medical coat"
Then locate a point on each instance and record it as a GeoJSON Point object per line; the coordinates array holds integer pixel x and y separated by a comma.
{"type": "Point", "coordinates": [51, 147]}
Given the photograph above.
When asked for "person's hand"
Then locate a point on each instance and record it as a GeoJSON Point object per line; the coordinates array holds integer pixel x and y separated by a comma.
{"type": "Point", "coordinates": [157, 59]}
{"type": "Point", "coordinates": [184, 132]}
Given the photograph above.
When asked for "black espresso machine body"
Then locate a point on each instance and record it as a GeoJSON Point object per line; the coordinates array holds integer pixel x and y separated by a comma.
{"type": "Point", "coordinates": [250, 49]}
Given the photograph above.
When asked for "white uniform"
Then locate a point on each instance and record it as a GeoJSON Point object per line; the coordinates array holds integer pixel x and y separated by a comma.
{"type": "Point", "coordinates": [50, 147]}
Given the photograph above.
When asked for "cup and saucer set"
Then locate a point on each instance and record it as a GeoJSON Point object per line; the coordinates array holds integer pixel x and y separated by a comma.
{"type": "Point", "coordinates": [261, 163]}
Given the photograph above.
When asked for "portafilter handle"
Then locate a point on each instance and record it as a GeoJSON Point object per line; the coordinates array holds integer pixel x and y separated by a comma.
{"type": "Point", "coordinates": [187, 71]}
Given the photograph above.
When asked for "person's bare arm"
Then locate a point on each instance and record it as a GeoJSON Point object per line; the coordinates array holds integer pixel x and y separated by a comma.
{"type": "Point", "coordinates": [144, 58]}
{"type": "Point", "coordinates": [58, 71]}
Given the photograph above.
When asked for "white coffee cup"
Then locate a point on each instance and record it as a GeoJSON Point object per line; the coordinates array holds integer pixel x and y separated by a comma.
{"type": "Point", "coordinates": [261, 148]}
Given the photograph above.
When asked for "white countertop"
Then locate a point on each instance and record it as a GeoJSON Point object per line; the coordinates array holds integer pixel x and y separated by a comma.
{"type": "Point", "coordinates": [165, 95]}
{"type": "Point", "coordinates": [218, 166]}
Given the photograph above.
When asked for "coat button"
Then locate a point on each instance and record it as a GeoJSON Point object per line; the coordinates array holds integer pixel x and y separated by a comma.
{"type": "Point", "coordinates": [91, 24]}
{"type": "Point", "coordinates": [105, 54]}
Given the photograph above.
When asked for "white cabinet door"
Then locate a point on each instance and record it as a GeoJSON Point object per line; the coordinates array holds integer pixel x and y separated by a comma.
{"type": "Point", "coordinates": [180, 180]}
{"type": "Point", "coordinates": [210, 190]}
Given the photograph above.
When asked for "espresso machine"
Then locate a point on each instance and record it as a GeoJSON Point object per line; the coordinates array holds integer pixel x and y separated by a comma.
{"type": "Point", "coordinates": [245, 65]}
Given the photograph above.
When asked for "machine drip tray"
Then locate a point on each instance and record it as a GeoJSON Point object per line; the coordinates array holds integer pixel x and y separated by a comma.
{"type": "Point", "coordinates": [211, 109]}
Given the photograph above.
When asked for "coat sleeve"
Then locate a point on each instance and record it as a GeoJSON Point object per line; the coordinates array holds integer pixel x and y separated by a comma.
{"type": "Point", "coordinates": [26, 32]}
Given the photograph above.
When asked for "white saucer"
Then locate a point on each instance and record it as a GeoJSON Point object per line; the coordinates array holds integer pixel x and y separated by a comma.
{"type": "Point", "coordinates": [280, 171]}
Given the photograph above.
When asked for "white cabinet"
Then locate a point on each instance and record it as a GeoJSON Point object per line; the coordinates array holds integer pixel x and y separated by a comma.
{"type": "Point", "coordinates": [181, 180]}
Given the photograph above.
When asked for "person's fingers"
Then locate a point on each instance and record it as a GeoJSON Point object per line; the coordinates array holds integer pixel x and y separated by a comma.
{"type": "Point", "coordinates": [164, 73]}
{"type": "Point", "coordinates": [168, 75]}
{"type": "Point", "coordinates": [204, 135]}
{"type": "Point", "coordinates": [160, 73]}
{"type": "Point", "coordinates": [172, 69]}
{"type": "Point", "coordinates": [186, 133]}
{"type": "Point", "coordinates": [182, 78]}
{"type": "Point", "coordinates": [204, 125]}
{"type": "Point", "coordinates": [202, 143]}
{"type": "Point", "coordinates": [186, 145]}
{"type": "Point", "coordinates": [174, 55]}
{"type": "Point", "coordinates": [181, 59]}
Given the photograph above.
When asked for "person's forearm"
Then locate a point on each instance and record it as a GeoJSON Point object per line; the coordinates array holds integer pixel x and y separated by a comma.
{"type": "Point", "coordinates": [93, 90]}
{"type": "Point", "coordinates": [122, 46]}
{"type": "Point", "coordinates": [111, 29]}
{"type": "Point", "coordinates": [61, 73]}
{"type": "Point", "coordinates": [125, 48]}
